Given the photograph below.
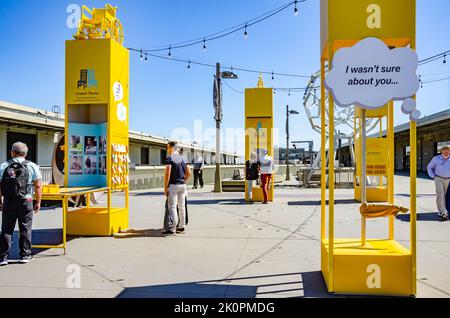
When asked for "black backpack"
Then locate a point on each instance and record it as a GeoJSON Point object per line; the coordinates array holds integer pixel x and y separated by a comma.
{"type": "Point", "coordinates": [15, 181]}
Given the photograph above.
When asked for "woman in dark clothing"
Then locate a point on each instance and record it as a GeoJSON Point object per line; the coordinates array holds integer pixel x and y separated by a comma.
{"type": "Point", "coordinates": [252, 169]}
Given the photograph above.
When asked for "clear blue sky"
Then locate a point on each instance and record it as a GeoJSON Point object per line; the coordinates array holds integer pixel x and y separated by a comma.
{"type": "Point", "coordinates": [164, 94]}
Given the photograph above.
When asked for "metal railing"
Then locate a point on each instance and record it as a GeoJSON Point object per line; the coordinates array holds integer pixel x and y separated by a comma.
{"type": "Point", "coordinates": [47, 174]}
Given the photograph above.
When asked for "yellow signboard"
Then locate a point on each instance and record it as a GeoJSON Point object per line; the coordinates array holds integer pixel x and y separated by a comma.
{"type": "Point", "coordinates": [259, 129]}
{"type": "Point", "coordinates": [376, 156]}
{"type": "Point", "coordinates": [358, 19]}
{"type": "Point", "coordinates": [87, 75]}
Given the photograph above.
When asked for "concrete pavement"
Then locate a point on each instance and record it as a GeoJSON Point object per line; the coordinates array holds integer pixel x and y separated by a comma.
{"type": "Point", "coordinates": [230, 250]}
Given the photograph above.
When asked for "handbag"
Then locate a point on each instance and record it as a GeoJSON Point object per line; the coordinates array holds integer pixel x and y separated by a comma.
{"type": "Point", "coordinates": [447, 200]}
{"type": "Point", "coordinates": [168, 220]}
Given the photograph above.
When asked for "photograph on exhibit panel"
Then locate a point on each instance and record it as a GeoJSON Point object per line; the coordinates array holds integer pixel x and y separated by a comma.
{"type": "Point", "coordinates": [76, 166]}
{"type": "Point", "coordinates": [103, 145]}
{"type": "Point", "coordinates": [90, 165]}
{"type": "Point", "coordinates": [91, 145]}
{"type": "Point", "coordinates": [76, 144]}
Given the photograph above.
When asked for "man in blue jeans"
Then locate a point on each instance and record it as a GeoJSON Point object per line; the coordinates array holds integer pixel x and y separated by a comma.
{"type": "Point", "coordinates": [177, 175]}
{"type": "Point", "coordinates": [18, 177]}
{"type": "Point", "coordinates": [439, 171]}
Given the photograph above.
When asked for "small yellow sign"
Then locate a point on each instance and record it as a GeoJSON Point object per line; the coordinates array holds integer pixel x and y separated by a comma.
{"type": "Point", "coordinates": [358, 19]}
{"type": "Point", "coordinates": [376, 156]}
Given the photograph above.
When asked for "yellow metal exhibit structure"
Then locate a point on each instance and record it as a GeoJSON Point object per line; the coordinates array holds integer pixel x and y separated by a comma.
{"type": "Point", "coordinates": [101, 24]}
{"type": "Point", "coordinates": [357, 265]}
{"type": "Point", "coordinates": [379, 156]}
{"type": "Point", "coordinates": [97, 123]}
{"type": "Point", "coordinates": [259, 130]}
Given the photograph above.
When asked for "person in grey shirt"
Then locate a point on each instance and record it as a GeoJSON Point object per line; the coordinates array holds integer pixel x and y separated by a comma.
{"type": "Point", "coordinates": [198, 171]}
{"type": "Point", "coordinates": [439, 171]}
{"type": "Point", "coordinates": [19, 178]}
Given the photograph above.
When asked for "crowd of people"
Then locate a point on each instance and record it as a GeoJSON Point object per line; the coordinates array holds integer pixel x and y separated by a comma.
{"type": "Point", "coordinates": [21, 191]}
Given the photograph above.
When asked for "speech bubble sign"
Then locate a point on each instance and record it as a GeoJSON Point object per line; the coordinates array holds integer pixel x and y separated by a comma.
{"type": "Point", "coordinates": [118, 91]}
{"type": "Point", "coordinates": [369, 74]}
{"type": "Point", "coordinates": [409, 105]}
{"type": "Point", "coordinates": [121, 112]}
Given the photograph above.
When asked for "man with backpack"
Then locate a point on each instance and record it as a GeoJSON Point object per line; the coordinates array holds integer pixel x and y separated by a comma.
{"type": "Point", "coordinates": [18, 177]}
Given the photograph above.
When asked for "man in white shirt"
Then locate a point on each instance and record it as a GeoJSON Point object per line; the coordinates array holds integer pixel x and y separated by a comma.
{"type": "Point", "coordinates": [267, 170]}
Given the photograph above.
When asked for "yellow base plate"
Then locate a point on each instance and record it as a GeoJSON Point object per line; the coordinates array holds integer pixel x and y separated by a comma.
{"type": "Point", "coordinates": [97, 221]}
{"type": "Point", "coordinates": [374, 194]}
{"type": "Point", "coordinates": [382, 267]}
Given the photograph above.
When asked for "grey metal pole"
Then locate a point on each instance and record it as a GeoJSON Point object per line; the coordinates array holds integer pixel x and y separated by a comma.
{"type": "Point", "coordinates": [288, 170]}
{"type": "Point", "coordinates": [218, 177]}
{"type": "Point", "coordinates": [363, 173]}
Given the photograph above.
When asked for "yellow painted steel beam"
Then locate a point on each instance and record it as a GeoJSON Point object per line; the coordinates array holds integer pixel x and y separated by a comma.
{"type": "Point", "coordinates": [331, 181]}
{"type": "Point", "coordinates": [391, 166]}
{"type": "Point", "coordinates": [413, 196]}
{"type": "Point", "coordinates": [323, 113]}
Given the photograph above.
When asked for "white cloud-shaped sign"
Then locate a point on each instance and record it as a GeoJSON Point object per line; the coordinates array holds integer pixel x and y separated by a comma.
{"type": "Point", "coordinates": [370, 74]}
{"type": "Point", "coordinates": [121, 112]}
{"type": "Point", "coordinates": [118, 91]}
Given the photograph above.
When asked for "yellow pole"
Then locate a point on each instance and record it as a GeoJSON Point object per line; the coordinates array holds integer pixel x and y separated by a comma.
{"type": "Point", "coordinates": [109, 210]}
{"type": "Point", "coordinates": [323, 182]}
{"type": "Point", "coordinates": [413, 166]}
{"type": "Point", "coordinates": [355, 175]}
{"type": "Point", "coordinates": [413, 176]}
{"type": "Point", "coordinates": [88, 200]}
{"type": "Point", "coordinates": [65, 205]}
{"type": "Point", "coordinates": [363, 172]}
{"type": "Point", "coordinates": [331, 179]}
{"type": "Point", "coordinates": [391, 166]}
{"type": "Point", "coordinates": [381, 136]}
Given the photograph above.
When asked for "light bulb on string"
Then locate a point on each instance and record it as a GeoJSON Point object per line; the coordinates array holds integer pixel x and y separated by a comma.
{"type": "Point", "coordinates": [204, 45]}
{"type": "Point", "coordinates": [296, 9]}
{"type": "Point", "coordinates": [142, 56]}
{"type": "Point", "coordinates": [170, 51]}
{"type": "Point", "coordinates": [146, 58]}
{"type": "Point", "coordinates": [246, 33]}
{"type": "Point", "coordinates": [189, 65]}
{"type": "Point", "coordinates": [273, 77]}
{"type": "Point", "coordinates": [445, 58]}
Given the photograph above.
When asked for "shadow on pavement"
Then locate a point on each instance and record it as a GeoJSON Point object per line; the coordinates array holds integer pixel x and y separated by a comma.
{"type": "Point", "coordinates": [421, 217]}
{"type": "Point", "coordinates": [318, 202]}
{"type": "Point", "coordinates": [216, 201]}
{"type": "Point", "coordinates": [39, 237]}
{"type": "Point", "coordinates": [144, 194]}
{"type": "Point", "coordinates": [139, 233]}
{"type": "Point", "coordinates": [426, 195]}
{"type": "Point", "coordinates": [309, 284]}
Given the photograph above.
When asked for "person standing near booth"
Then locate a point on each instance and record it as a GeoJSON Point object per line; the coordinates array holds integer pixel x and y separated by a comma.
{"type": "Point", "coordinates": [177, 175]}
{"type": "Point", "coordinates": [17, 179]}
{"type": "Point", "coordinates": [252, 170]}
{"type": "Point", "coordinates": [198, 171]}
{"type": "Point", "coordinates": [439, 171]}
{"type": "Point", "coordinates": [267, 169]}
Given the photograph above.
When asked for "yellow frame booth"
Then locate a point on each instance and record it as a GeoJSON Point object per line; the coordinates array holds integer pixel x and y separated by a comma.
{"type": "Point", "coordinates": [258, 131]}
{"type": "Point", "coordinates": [361, 266]}
{"type": "Point", "coordinates": [97, 121]}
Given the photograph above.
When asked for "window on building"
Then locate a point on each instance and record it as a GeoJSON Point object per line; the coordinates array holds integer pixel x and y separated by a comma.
{"type": "Point", "coordinates": [28, 139]}
{"type": "Point", "coordinates": [145, 157]}
{"type": "Point", "coordinates": [441, 145]}
{"type": "Point", "coordinates": [163, 156]}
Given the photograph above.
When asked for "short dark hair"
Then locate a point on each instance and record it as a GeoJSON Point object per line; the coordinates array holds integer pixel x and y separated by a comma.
{"type": "Point", "coordinates": [172, 144]}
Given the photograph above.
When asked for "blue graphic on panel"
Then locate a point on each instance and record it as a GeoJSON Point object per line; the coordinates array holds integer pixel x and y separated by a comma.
{"type": "Point", "coordinates": [87, 155]}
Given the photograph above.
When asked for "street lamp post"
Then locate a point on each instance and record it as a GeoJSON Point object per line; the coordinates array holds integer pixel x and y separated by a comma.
{"type": "Point", "coordinates": [288, 113]}
{"type": "Point", "coordinates": [218, 117]}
